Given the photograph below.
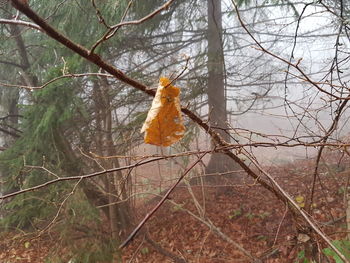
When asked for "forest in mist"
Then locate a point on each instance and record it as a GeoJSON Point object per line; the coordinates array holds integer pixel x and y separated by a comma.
{"type": "Point", "coordinates": [174, 131]}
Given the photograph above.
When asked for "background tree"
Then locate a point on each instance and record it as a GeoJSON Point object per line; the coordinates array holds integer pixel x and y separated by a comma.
{"type": "Point", "coordinates": [218, 163]}
{"type": "Point", "coordinates": [87, 119]}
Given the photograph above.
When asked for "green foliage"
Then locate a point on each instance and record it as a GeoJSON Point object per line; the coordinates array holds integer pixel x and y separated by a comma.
{"type": "Point", "coordinates": [144, 251]}
{"type": "Point", "coordinates": [341, 190]}
{"type": "Point", "coordinates": [235, 213]}
{"type": "Point", "coordinates": [25, 211]}
{"type": "Point", "coordinates": [51, 113]}
{"type": "Point", "coordinates": [250, 216]}
{"type": "Point", "coordinates": [261, 238]}
{"type": "Point", "coordinates": [61, 117]}
{"type": "Point", "coordinates": [178, 207]}
{"type": "Point", "coordinates": [343, 246]}
{"type": "Point", "coordinates": [143, 8]}
{"type": "Point", "coordinates": [78, 20]}
{"type": "Point", "coordinates": [82, 234]}
{"type": "Point", "coordinates": [301, 257]}
{"type": "Point", "coordinates": [40, 145]}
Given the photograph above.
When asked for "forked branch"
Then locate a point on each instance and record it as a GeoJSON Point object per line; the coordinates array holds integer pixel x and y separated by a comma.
{"type": "Point", "coordinates": [269, 184]}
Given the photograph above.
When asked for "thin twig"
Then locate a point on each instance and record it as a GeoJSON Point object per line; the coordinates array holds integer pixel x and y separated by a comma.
{"type": "Point", "coordinates": [307, 219]}
{"type": "Point", "coordinates": [270, 185]}
{"type": "Point", "coordinates": [113, 29]}
{"type": "Point", "coordinates": [279, 226]}
{"type": "Point", "coordinates": [79, 177]}
{"type": "Point", "coordinates": [206, 221]}
{"type": "Point", "coordinates": [149, 215]}
{"type": "Point", "coordinates": [20, 23]}
{"type": "Point", "coordinates": [79, 75]}
{"type": "Point", "coordinates": [59, 209]}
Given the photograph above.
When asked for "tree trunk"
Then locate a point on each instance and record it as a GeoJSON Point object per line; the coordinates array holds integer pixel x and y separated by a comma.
{"type": "Point", "coordinates": [9, 98]}
{"type": "Point", "coordinates": [219, 163]}
{"type": "Point", "coordinates": [115, 186]}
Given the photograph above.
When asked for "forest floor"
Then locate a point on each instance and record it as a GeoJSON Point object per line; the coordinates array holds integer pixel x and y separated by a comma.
{"type": "Point", "coordinates": [247, 215]}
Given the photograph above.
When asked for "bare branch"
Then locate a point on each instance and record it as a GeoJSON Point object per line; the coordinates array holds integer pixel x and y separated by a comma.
{"type": "Point", "coordinates": [164, 198]}
{"type": "Point", "coordinates": [79, 75]}
{"type": "Point", "coordinates": [78, 177]}
{"type": "Point", "coordinates": [269, 184]}
{"type": "Point", "coordinates": [20, 23]}
{"type": "Point", "coordinates": [296, 65]}
{"type": "Point", "coordinates": [113, 29]}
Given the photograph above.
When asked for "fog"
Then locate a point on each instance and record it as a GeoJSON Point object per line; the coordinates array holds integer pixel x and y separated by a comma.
{"type": "Point", "coordinates": [292, 107]}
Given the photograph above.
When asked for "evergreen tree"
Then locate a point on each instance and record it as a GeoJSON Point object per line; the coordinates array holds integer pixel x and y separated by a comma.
{"type": "Point", "coordinates": [71, 117]}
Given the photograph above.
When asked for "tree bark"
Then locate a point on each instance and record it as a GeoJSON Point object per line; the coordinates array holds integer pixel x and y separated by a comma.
{"type": "Point", "coordinates": [219, 163]}
{"type": "Point", "coordinates": [9, 98]}
{"type": "Point", "coordinates": [118, 209]}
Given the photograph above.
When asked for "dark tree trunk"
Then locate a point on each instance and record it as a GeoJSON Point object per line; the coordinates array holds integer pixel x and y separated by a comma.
{"type": "Point", "coordinates": [9, 98]}
{"type": "Point", "coordinates": [219, 163]}
{"type": "Point", "coordinates": [119, 212]}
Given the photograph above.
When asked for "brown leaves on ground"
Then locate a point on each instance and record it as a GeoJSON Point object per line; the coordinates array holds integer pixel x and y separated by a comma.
{"type": "Point", "coordinates": [248, 214]}
{"type": "Point", "coordinates": [14, 248]}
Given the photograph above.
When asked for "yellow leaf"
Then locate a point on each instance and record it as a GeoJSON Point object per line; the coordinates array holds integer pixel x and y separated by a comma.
{"type": "Point", "coordinates": [164, 124]}
{"type": "Point", "coordinates": [300, 200]}
{"type": "Point", "coordinates": [26, 244]}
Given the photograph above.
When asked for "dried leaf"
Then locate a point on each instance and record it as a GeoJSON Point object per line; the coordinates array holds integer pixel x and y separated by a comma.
{"type": "Point", "coordinates": [164, 124]}
{"type": "Point", "coordinates": [27, 244]}
{"type": "Point", "coordinates": [300, 200]}
{"type": "Point", "coordinates": [303, 238]}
